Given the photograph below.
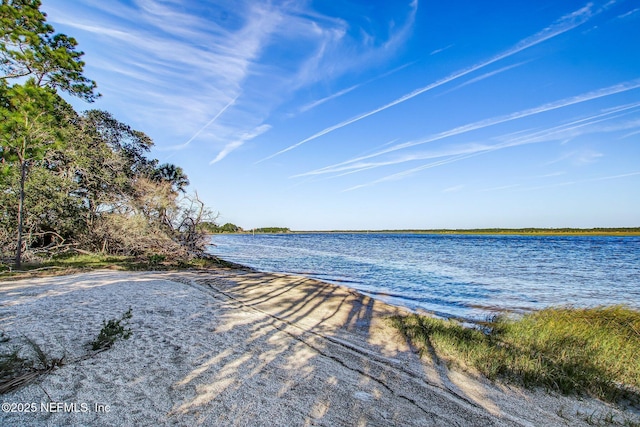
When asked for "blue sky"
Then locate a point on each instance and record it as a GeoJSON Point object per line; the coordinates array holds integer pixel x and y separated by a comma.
{"type": "Point", "coordinates": [380, 114]}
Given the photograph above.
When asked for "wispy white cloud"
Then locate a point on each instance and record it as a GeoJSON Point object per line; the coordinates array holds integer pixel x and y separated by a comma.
{"type": "Point", "coordinates": [321, 101]}
{"type": "Point", "coordinates": [247, 136]}
{"type": "Point", "coordinates": [342, 92]}
{"type": "Point", "coordinates": [499, 188]}
{"type": "Point", "coordinates": [567, 131]}
{"type": "Point", "coordinates": [564, 24]}
{"type": "Point", "coordinates": [519, 188]}
{"type": "Point", "coordinates": [553, 133]}
{"type": "Point", "coordinates": [585, 157]}
{"type": "Point", "coordinates": [486, 76]}
{"type": "Point", "coordinates": [580, 157]}
{"type": "Point", "coordinates": [454, 189]}
{"type": "Point", "coordinates": [345, 169]}
{"type": "Point", "coordinates": [628, 14]}
{"type": "Point", "coordinates": [630, 134]}
{"type": "Point", "coordinates": [173, 76]}
{"type": "Point", "coordinates": [535, 137]}
{"type": "Point", "coordinates": [549, 175]}
{"type": "Point", "coordinates": [582, 181]}
{"type": "Point", "coordinates": [338, 51]}
{"type": "Point", "coordinates": [401, 175]}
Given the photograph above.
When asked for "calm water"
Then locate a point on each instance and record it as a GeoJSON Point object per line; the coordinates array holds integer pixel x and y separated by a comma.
{"type": "Point", "coordinates": [455, 275]}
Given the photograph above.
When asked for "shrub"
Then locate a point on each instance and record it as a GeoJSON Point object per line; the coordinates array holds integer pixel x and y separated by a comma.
{"type": "Point", "coordinates": [111, 331]}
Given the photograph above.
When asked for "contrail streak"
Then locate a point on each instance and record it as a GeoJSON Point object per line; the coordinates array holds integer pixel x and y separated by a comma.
{"type": "Point", "coordinates": [611, 90]}
{"type": "Point", "coordinates": [178, 147]}
{"type": "Point", "coordinates": [349, 89]}
{"type": "Point", "coordinates": [532, 138]}
{"type": "Point", "coordinates": [566, 23]}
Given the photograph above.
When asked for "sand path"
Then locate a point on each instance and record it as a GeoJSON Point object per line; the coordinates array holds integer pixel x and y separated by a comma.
{"type": "Point", "coordinates": [233, 347]}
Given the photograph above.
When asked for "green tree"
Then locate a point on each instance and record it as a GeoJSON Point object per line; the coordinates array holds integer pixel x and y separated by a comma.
{"type": "Point", "coordinates": [229, 228]}
{"type": "Point", "coordinates": [30, 118]}
{"type": "Point", "coordinates": [105, 159]}
{"type": "Point", "coordinates": [29, 48]}
{"type": "Point", "coordinates": [132, 204]}
{"type": "Point", "coordinates": [79, 177]}
{"type": "Point", "coordinates": [130, 144]}
{"type": "Point", "coordinates": [172, 174]}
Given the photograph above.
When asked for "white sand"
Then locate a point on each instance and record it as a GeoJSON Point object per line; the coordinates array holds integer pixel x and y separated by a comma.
{"type": "Point", "coordinates": [243, 348]}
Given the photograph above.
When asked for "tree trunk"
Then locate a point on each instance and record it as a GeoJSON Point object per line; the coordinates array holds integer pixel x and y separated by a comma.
{"type": "Point", "coordinates": [23, 176]}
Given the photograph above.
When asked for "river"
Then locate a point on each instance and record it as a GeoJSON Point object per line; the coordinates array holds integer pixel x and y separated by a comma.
{"type": "Point", "coordinates": [465, 276]}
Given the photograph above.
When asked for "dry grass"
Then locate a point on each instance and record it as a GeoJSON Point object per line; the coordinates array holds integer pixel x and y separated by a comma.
{"type": "Point", "coordinates": [19, 368]}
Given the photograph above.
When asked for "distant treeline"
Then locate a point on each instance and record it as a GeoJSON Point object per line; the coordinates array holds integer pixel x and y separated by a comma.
{"type": "Point", "coordinates": [272, 230]}
{"type": "Point", "coordinates": [213, 228]}
{"type": "Point", "coordinates": [531, 230]}
{"type": "Point", "coordinates": [210, 227]}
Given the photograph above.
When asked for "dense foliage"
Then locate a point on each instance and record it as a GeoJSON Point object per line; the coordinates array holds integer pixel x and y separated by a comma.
{"type": "Point", "coordinates": [77, 181]}
{"type": "Point", "coordinates": [212, 227]}
{"type": "Point", "coordinates": [272, 230]}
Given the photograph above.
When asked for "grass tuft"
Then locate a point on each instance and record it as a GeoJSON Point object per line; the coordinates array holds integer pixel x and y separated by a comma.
{"type": "Point", "coordinates": [16, 371]}
{"type": "Point", "coordinates": [46, 363]}
{"type": "Point", "coordinates": [574, 351]}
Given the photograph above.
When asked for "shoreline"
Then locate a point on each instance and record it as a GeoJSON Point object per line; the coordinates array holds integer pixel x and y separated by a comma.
{"type": "Point", "coordinates": [376, 296]}
{"type": "Point", "coordinates": [613, 232]}
{"type": "Point", "coordinates": [231, 346]}
{"type": "Point", "coordinates": [489, 311]}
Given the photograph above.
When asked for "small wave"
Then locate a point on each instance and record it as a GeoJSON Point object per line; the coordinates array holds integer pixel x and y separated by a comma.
{"type": "Point", "coordinates": [461, 276]}
{"type": "Point", "coordinates": [335, 279]}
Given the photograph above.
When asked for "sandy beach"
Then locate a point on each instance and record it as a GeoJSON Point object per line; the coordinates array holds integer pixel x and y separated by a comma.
{"type": "Point", "coordinates": [236, 347]}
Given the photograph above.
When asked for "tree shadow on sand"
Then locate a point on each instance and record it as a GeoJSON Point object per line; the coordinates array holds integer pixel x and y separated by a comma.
{"type": "Point", "coordinates": [307, 352]}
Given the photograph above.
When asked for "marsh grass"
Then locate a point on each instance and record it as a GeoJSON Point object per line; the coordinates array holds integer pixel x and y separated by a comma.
{"type": "Point", "coordinates": [593, 351]}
